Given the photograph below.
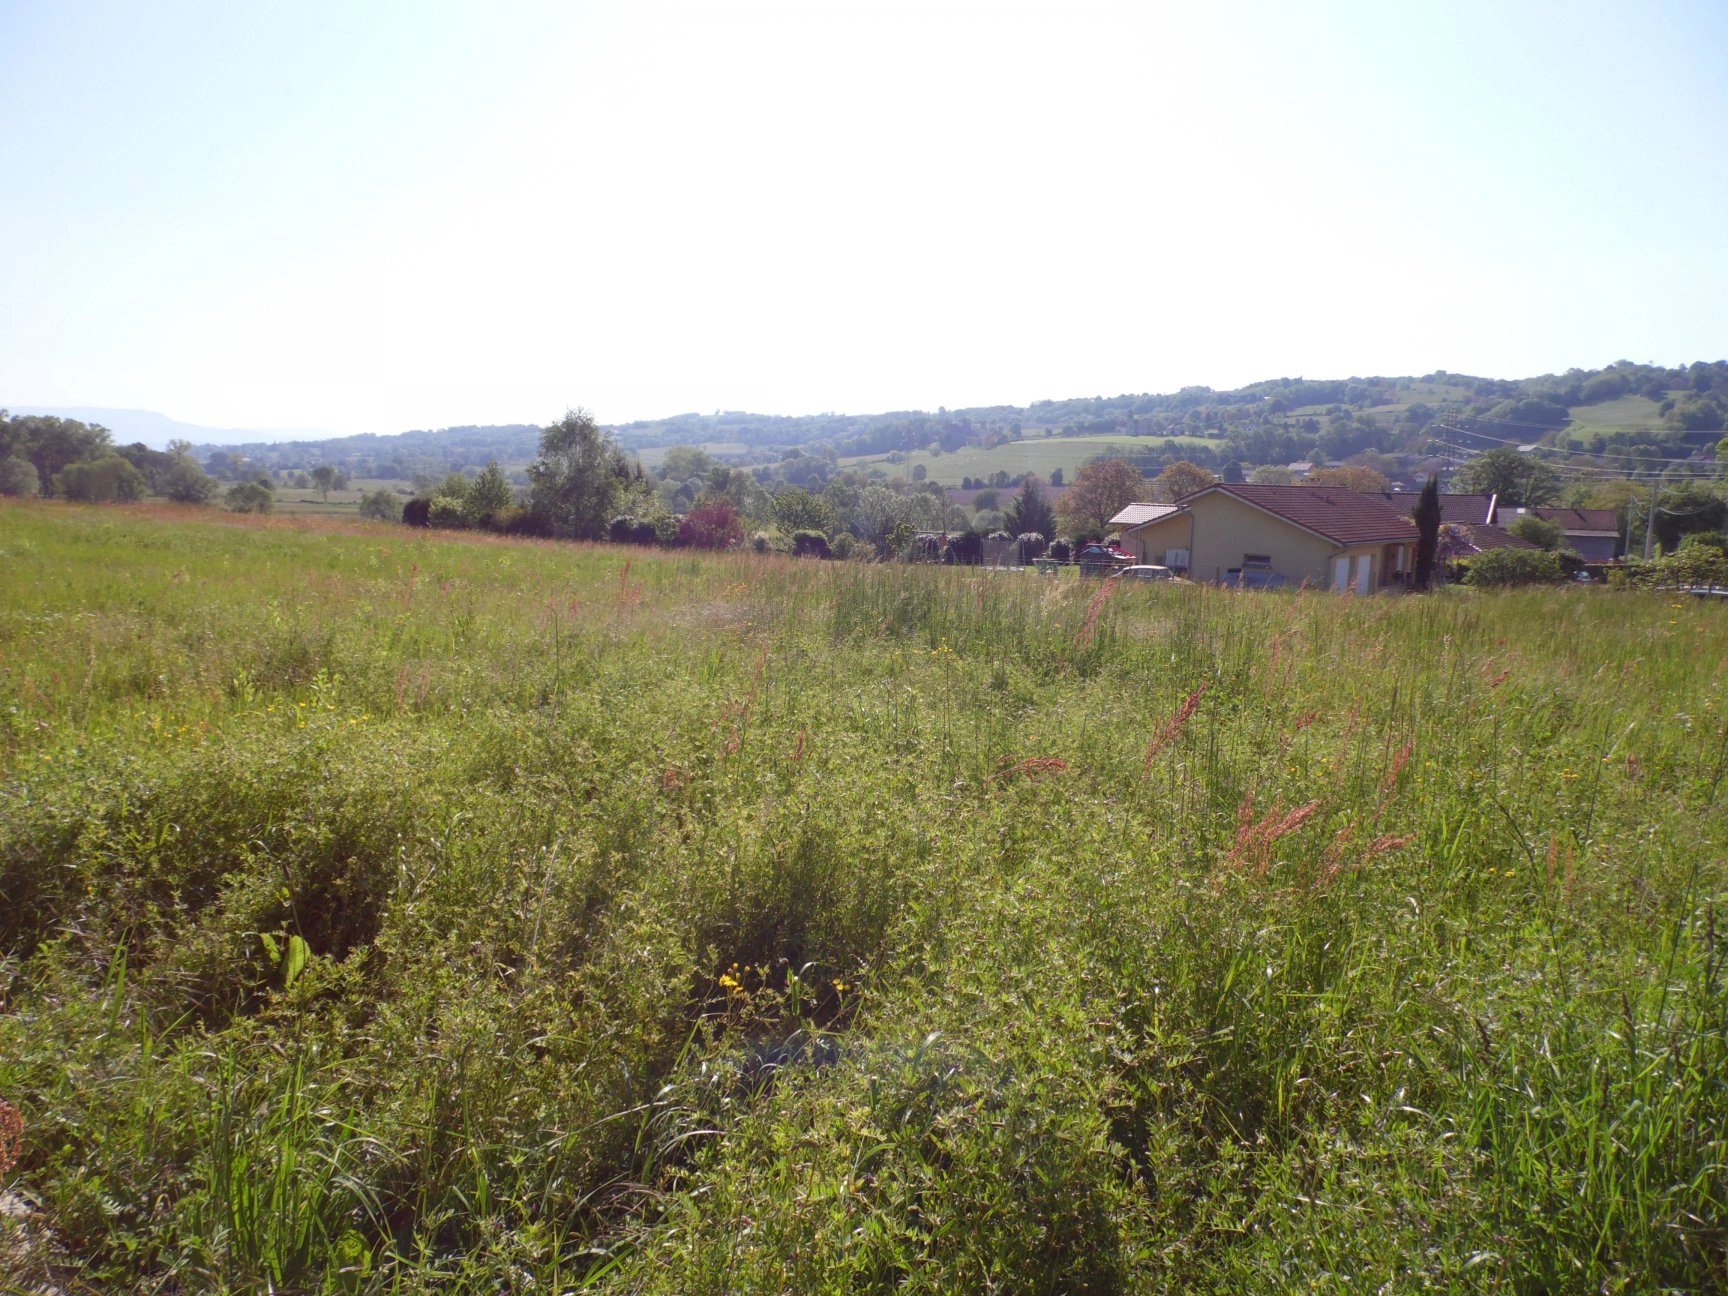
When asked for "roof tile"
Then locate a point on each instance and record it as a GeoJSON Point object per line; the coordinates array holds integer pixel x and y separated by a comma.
{"type": "Point", "coordinates": [1342, 516]}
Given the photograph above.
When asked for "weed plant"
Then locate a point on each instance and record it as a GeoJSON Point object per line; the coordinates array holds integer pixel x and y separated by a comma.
{"type": "Point", "coordinates": [388, 912]}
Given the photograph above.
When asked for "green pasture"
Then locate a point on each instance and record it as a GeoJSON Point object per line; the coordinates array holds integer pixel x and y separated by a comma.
{"type": "Point", "coordinates": [652, 457]}
{"type": "Point", "coordinates": [1041, 455]}
{"type": "Point", "coordinates": [385, 911]}
{"type": "Point", "coordinates": [1626, 412]}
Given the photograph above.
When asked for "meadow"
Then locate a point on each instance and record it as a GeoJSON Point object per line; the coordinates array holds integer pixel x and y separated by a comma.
{"type": "Point", "coordinates": [1041, 454]}
{"type": "Point", "coordinates": [389, 911]}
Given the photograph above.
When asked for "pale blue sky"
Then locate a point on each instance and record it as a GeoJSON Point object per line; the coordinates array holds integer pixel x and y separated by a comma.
{"type": "Point", "coordinates": [371, 216]}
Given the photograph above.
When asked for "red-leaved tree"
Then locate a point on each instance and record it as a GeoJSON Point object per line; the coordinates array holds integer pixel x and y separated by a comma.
{"type": "Point", "coordinates": [712, 524]}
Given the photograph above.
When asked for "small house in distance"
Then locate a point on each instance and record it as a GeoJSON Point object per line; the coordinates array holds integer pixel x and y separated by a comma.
{"type": "Point", "coordinates": [1593, 533]}
{"type": "Point", "coordinates": [1138, 514]}
{"type": "Point", "coordinates": [1322, 537]}
{"type": "Point", "coordinates": [1466, 510]}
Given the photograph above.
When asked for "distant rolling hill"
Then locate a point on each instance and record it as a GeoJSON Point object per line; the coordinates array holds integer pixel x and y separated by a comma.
{"type": "Point", "coordinates": [157, 430]}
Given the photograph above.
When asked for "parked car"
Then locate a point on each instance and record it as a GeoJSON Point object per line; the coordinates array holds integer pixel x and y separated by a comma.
{"type": "Point", "coordinates": [1102, 559]}
{"type": "Point", "coordinates": [1260, 580]}
{"type": "Point", "coordinates": [1144, 572]}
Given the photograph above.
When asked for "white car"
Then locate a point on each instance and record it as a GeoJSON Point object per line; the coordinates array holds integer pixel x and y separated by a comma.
{"type": "Point", "coordinates": [1145, 572]}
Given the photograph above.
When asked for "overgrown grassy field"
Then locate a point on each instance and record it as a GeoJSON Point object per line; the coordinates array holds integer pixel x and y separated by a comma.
{"type": "Point", "coordinates": [393, 912]}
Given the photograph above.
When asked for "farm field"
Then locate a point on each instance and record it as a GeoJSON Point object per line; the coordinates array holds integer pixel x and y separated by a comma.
{"type": "Point", "coordinates": [393, 911]}
{"type": "Point", "coordinates": [651, 457]}
{"type": "Point", "coordinates": [1041, 455]}
{"type": "Point", "coordinates": [310, 501]}
{"type": "Point", "coordinates": [1627, 412]}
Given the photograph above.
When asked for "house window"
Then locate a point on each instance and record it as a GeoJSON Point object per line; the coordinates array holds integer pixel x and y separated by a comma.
{"type": "Point", "coordinates": [1256, 562]}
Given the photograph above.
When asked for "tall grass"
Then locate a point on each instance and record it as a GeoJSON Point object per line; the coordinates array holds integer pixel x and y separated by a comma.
{"type": "Point", "coordinates": [385, 912]}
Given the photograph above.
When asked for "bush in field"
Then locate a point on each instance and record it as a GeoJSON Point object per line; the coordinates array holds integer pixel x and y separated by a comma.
{"type": "Point", "coordinates": [18, 477]}
{"type": "Point", "coordinates": [185, 482]}
{"type": "Point", "coordinates": [251, 497]}
{"type": "Point", "coordinates": [515, 520]}
{"type": "Point", "coordinates": [108, 480]}
{"type": "Point", "coordinates": [843, 544]}
{"type": "Point", "coordinates": [379, 506]}
{"type": "Point", "coordinates": [417, 512]}
{"type": "Point", "coordinates": [798, 510]}
{"type": "Point", "coordinates": [1504, 568]}
{"type": "Point", "coordinates": [630, 529]}
{"type": "Point", "coordinates": [1705, 540]}
{"type": "Point", "coordinates": [811, 544]}
{"type": "Point", "coordinates": [488, 496]}
{"type": "Point", "coordinates": [712, 524]}
{"type": "Point", "coordinates": [447, 512]}
{"type": "Point", "coordinates": [1060, 551]}
{"type": "Point", "coordinates": [1690, 565]}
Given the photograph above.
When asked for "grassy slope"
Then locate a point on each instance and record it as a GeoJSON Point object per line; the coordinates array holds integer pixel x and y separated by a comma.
{"type": "Point", "coordinates": [1628, 412]}
{"type": "Point", "coordinates": [1034, 454]}
{"type": "Point", "coordinates": [693, 924]}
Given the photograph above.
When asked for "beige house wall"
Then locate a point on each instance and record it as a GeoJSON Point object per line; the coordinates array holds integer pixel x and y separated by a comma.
{"type": "Point", "coordinates": [1151, 542]}
{"type": "Point", "coordinates": [1219, 529]}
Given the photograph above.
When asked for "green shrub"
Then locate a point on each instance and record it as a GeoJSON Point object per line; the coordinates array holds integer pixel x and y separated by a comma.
{"type": "Point", "coordinates": [381, 506]}
{"type": "Point", "coordinates": [812, 544]}
{"type": "Point", "coordinates": [251, 497]}
{"type": "Point", "coordinates": [18, 477]}
{"type": "Point", "coordinates": [108, 480]}
{"type": "Point", "coordinates": [1505, 568]}
{"type": "Point", "coordinates": [1538, 531]}
{"type": "Point", "coordinates": [448, 512]}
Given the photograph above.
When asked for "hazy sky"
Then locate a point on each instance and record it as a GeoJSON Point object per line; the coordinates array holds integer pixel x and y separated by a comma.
{"type": "Point", "coordinates": [373, 216]}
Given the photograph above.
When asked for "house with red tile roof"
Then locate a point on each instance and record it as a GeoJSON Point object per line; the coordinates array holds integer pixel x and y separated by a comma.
{"type": "Point", "coordinates": [1461, 540]}
{"type": "Point", "coordinates": [1467, 510]}
{"type": "Point", "coordinates": [1593, 533]}
{"type": "Point", "coordinates": [1319, 536]}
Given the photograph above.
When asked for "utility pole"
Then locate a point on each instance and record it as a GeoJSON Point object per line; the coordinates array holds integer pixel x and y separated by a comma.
{"type": "Point", "coordinates": [1650, 517]}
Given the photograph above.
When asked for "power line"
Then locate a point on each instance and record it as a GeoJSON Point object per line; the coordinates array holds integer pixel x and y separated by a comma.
{"type": "Point", "coordinates": [1514, 441]}
{"type": "Point", "coordinates": [1588, 472]}
{"type": "Point", "coordinates": [1688, 465]}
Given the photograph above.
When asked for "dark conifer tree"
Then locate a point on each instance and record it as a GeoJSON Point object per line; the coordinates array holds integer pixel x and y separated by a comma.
{"type": "Point", "coordinates": [1427, 515]}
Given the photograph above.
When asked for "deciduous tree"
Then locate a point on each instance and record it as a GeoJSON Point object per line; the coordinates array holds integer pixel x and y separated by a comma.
{"type": "Point", "coordinates": [713, 524]}
{"type": "Point", "coordinates": [1102, 489]}
{"type": "Point", "coordinates": [579, 480]}
{"type": "Point", "coordinates": [18, 477]}
{"type": "Point", "coordinates": [1516, 478]}
{"type": "Point", "coordinates": [1539, 532]}
{"type": "Point", "coordinates": [251, 496]}
{"type": "Point", "coordinates": [488, 496]}
{"type": "Point", "coordinates": [798, 510]}
{"type": "Point", "coordinates": [105, 480]}
{"type": "Point", "coordinates": [51, 444]}
{"type": "Point", "coordinates": [1179, 479]}
{"type": "Point", "coordinates": [380, 506]}
{"type": "Point", "coordinates": [1349, 477]}
{"type": "Point", "coordinates": [185, 482]}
